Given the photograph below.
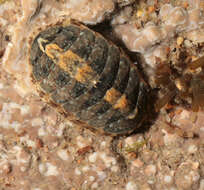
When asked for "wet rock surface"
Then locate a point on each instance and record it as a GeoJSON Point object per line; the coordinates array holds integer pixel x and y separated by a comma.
{"type": "Point", "coordinates": [40, 149]}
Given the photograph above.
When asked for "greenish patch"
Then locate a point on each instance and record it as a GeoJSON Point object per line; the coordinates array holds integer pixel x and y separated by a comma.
{"type": "Point", "coordinates": [3, 1]}
{"type": "Point", "coordinates": [135, 146]}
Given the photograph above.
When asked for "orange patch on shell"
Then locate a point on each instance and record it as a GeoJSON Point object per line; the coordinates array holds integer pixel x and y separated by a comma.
{"type": "Point", "coordinates": [122, 103]}
{"type": "Point", "coordinates": [84, 74]}
{"type": "Point", "coordinates": [71, 63]}
{"type": "Point", "coordinates": [53, 51]}
{"type": "Point", "coordinates": [112, 95]}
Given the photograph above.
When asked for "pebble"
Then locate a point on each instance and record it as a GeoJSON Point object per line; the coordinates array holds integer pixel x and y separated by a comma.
{"type": "Point", "coordinates": [131, 186]}
{"type": "Point", "coordinates": [192, 149]}
{"type": "Point", "coordinates": [91, 178]}
{"type": "Point", "coordinates": [168, 179]}
{"type": "Point", "coordinates": [201, 184]}
{"type": "Point", "coordinates": [48, 169]}
{"type": "Point", "coordinates": [63, 154]}
{"type": "Point", "coordinates": [93, 157]}
{"type": "Point", "coordinates": [137, 163]}
{"type": "Point", "coordinates": [77, 171]}
{"type": "Point", "coordinates": [94, 185]}
{"type": "Point", "coordinates": [150, 170]}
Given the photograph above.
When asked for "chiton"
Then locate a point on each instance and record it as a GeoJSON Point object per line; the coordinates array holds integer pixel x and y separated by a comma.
{"type": "Point", "coordinates": [88, 78]}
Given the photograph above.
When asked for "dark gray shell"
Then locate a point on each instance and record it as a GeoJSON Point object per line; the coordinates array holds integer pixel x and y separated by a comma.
{"type": "Point", "coordinates": [110, 96]}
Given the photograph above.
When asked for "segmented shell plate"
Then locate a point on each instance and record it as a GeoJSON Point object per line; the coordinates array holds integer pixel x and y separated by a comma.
{"type": "Point", "coordinates": [88, 78]}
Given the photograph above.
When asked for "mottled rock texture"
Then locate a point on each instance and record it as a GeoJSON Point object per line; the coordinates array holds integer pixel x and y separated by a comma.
{"type": "Point", "coordinates": [41, 150]}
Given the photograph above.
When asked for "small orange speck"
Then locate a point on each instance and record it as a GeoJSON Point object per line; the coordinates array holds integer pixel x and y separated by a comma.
{"type": "Point", "coordinates": [84, 73]}
{"type": "Point", "coordinates": [168, 106]}
{"type": "Point", "coordinates": [178, 111]}
{"type": "Point", "coordinates": [185, 5]}
{"type": "Point", "coordinates": [112, 95]}
{"type": "Point", "coordinates": [151, 9]}
{"type": "Point", "coordinates": [168, 50]}
{"type": "Point", "coordinates": [132, 155]}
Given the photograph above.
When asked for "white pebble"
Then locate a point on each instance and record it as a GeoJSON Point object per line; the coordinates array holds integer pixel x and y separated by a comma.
{"type": "Point", "coordinates": [92, 157]}
{"type": "Point", "coordinates": [103, 144]}
{"type": "Point", "coordinates": [60, 130]}
{"type": "Point", "coordinates": [63, 154]}
{"type": "Point", "coordinates": [101, 175]}
{"type": "Point", "coordinates": [1, 86]}
{"type": "Point", "coordinates": [85, 168]}
{"type": "Point", "coordinates": [201, 184]}
{"type": "Point", "coordinates": [131, 186]}
{"type": "Point", "coordinates": [23, 169]}
{"type": "Point", "coordinates": [107, 160]}
{"type": "Point", "coordinates": [42, 168]}
{"type": "Point", "coordinates": [114, 168]}
{"type": "Point", "coordinates": [151, 182]}
{"type": "Point", "coordinates": [48, 169]}
{"type": "Point", "coordinates": [192, 149]}
{"type": "Point", "coordinates": [94, 185]}
{"type": "Point", "coordinates": [202, 129]}
{"type": "Point", "coordinates": [91, 178]}
{"type": "Point", "coordinates": [195, 176]}
{"type": "Point", "coordinates": [81, 142]}
{"type": "Point", "coordinates": [173, 188]}
{"type": "Point", "coordinates": [150, 170]}
{"type": "Point", "coordinates": [167, 179]}
{"type": "Point", "coordinates": [41, 131]}
{"type": "Point", "coordinates": [26, 140]}
{"type": "Point", "coordinates": [36, 122]}
{"type": "Point", "coordinates": [77, 171]}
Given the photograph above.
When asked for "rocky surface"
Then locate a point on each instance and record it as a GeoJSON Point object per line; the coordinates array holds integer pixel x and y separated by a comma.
{"type": "Point", "coordinates": [41, 150]}
{"type": "Point", "coordinates": [157, 28]}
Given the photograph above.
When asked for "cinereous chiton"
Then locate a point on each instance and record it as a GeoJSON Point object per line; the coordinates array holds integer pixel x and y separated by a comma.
{"type": "Point", "coordinates": [88, 78]}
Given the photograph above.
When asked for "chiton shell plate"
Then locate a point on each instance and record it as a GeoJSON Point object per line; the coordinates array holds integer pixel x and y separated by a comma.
{"type": "Point", "coordinates": [87, 78]}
